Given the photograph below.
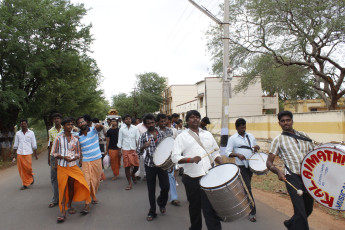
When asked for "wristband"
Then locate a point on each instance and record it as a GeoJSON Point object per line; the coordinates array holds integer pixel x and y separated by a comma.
{"type": "Point", "coordinates": [188, 160]}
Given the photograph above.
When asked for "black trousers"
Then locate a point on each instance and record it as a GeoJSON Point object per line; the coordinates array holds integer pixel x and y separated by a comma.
{"type": "Point", "coordinates": [198, 201]}
{"type": "Point", "coordinates": [302, 205]}
{"type": "Point", "coordinates": [151, 174]}
{"type": "Point", "coordinates": [247, 177]}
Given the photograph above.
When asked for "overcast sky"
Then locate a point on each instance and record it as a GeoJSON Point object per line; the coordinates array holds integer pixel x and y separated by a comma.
{"type": "Point", "coordinates": [138, 36]}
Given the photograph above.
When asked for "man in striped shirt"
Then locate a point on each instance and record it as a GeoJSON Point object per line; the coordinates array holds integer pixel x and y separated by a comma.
{"type": "Point", "coordinates": [71, 181]}
{"type": "Point", "coordinates": [292, 146]}
{"type": "Point", "coordinates": [91, 155]}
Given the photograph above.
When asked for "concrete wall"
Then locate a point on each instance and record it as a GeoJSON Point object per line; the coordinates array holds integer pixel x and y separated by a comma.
{"type": "Point", "coordinates": [184, 108]}
{"type": "Point", "coordinates": [324, 126]}
{"type": "Point", "coordinates": [246, 103]}
{"type": "Point", "coordinates": [201, 90]}
{"type": "Point", "coordinates": [213, 97]}
{"type": "Point", "coordinates": [181, 94]}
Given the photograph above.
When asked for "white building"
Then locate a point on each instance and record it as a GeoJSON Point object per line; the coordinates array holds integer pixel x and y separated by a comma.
{"type": "Point", "coordinates": [209, 100]}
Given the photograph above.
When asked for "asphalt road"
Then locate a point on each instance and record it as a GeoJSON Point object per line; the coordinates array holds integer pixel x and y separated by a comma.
{"type": "Point", "coordinates": [118, 209]}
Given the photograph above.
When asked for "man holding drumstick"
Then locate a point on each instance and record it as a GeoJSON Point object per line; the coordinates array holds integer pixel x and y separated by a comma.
{"type": "Point", "coordinates": [192, 148]}
{"type": "Point", "coordinates": [291, 146]}
{"type": "Point", "coordinates": [149, 141]}
{"type": "Point", "coordinates": [242, 145]}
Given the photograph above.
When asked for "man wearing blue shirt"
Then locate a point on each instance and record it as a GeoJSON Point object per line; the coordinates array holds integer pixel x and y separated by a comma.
{"type": "Point", "coordinates": [242, 145]}
{"type": "Point", "coordinates": [91, 156]}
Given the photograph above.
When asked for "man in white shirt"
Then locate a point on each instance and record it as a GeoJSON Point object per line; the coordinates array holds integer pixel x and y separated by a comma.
{"type": "Point", "coordinates": [127, 144]}
{"type": "Point", "coordinates": [24, 146]}
{"type": "Point", "coordinates": [242, 145]}
{"type": "Point", "coordinates": [189, 152]}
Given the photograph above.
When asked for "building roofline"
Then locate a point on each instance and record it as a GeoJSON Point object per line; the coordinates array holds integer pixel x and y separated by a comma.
{"type": "Point", "coordinates": [182, 85]}
{"type": "Point", "coordinates": [187, 102]}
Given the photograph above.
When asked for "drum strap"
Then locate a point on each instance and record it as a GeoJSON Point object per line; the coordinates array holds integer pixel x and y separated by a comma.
{"type": "Point", "coordinates": [246, 147]}
{"type": "Point", "coordinates": [300, 136]}
{"type": "Point", "coordinates": [197, 139]}
{"type": "Point", "coordinates": [287, 168]}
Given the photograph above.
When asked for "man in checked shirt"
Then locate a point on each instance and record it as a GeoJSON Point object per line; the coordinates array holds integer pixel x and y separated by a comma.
{"type": "Point", "coordinates": [149, 141]}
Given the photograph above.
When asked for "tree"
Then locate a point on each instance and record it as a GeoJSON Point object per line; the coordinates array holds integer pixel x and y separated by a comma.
{"type": "Point", "coordinates": [146, 97]}
{"type": "Point", "coordinates": [44, 61]}
{"type": "Point", "coordinates": [123, 104]}
{"type": "Point", "coordinates": [307, 33]}
{"type": "Point", "coordinates": [289, 82]}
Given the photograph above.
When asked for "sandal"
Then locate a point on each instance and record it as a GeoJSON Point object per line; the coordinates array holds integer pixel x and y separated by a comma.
{"type": "Point", "coordinates": [128, 187]}
{"type": "Point", "coordinates": [151, 216]}
{"type": "Point", "coordinates": [61, 219]}
{"type": "Point", "coordinates": [175, 202]}
{"type": "Point", "coordinates": [252, 218]}
{"type": "Point", "coordinates": [52, 205]}
{"type": "Point", "coordinates": [71, 211]}
{"type": "Point", "coordinates": [24, 187]}
{"type": "Point", "coordinates": [84, 212]}
{"type": "Point", "coordinates": [94, 202]}
{"type": "Point", "coordinates": [162, 210]}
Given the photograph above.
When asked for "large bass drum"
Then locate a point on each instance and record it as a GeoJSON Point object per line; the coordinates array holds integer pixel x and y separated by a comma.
{"type": "Point", "coordinates": [226, 192]}
{"type": "Point", "coordinates": [162, 155]}
{"type": "Point", "coordinates": [323, 175]}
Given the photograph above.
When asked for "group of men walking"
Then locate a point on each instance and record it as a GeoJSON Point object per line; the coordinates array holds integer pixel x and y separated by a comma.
{"type": "Point", "coordinates": [69, 149]}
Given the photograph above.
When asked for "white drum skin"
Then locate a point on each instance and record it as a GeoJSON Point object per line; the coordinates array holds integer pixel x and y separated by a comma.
{"type": "Point", "coordinates": [162, 155]}
{"type": "Point", "coordinates": [257, 163]}
{"type": "Point", "coordinates": [323, 175]}
{"type": "Point", "coordinates": [226, 193]}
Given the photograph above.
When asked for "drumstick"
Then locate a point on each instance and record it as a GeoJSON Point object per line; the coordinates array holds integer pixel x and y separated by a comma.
{"type": "Point", "coordinates": [261, 157]}
{"type": "Point", "coordinates": [299, 191]}
{"type": "Point", "coordinates": [209, 153]}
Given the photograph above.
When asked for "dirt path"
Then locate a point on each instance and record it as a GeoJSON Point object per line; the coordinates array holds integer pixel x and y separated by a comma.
{"type": "Point", "coordinates": [318, 220]}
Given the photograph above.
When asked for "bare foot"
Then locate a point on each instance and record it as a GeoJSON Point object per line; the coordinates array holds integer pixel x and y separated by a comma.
{"type": "Point", "coordinates": [114, 178]}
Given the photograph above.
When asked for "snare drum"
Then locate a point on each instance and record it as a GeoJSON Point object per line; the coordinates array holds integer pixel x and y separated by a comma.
{"type": "Point", "coordinates": [322, 173]}
{"type": "Point", "coordinates": [162, 155]}
{"type": "Point", "coordinates": [257, 163]}
{"type": "Point", "coordinates": [226, 192]}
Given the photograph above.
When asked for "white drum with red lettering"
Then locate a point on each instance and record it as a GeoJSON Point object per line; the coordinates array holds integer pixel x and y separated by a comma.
{"type": "Point", "coordinates": [323, 175]}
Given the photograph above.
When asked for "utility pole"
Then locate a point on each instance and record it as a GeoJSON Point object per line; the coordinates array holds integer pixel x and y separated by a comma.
{"type": "Point", "coordinates": [226, 92]}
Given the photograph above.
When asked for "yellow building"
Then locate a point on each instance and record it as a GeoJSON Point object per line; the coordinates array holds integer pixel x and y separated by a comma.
{"type": "Point", "coordinates": [310, 105]}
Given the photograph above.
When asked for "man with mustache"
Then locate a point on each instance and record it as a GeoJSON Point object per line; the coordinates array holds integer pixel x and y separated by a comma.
{"type": "Point", "coordinates": [148, 142]}
{"type": "Point", "coordinates": [292, 146]}
{"type": "Point", "coordinates": [71, 180]}
{"type": "Point", "coordinates": [189, 152]}
{"type": "Point", "coordinates": [24, 146]}
{"type": "Point", "coordinates": [53, 133]}
{"type": "Point", "coordinates": [91, 159]}
{"type": "Point", "coordinates": [127, 144]}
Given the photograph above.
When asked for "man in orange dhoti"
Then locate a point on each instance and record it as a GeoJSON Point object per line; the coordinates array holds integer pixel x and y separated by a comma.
{"type": "Point", "coordinates": [71, 181]}
{"type": "Point", "coordinates": [91, 155]}
{"type": "Point", "coordinates": [127, 144]}
{"type": "Point", "coordinates": [24, 146]}
{"type": "Point", "coordinates": [112, 149]}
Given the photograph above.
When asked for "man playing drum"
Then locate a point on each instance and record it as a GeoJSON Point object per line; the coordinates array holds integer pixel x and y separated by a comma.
{"type": "Point", "coordinates": [197, 163]}
{"type": "Point", "coordinates": [242, 145]}
{"type": "Point", "coordinates": [291, 146]}
{"type": "Point", "coordinates": [162, 126]}
{"type": "Point", "coordinates": [149, 141]}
